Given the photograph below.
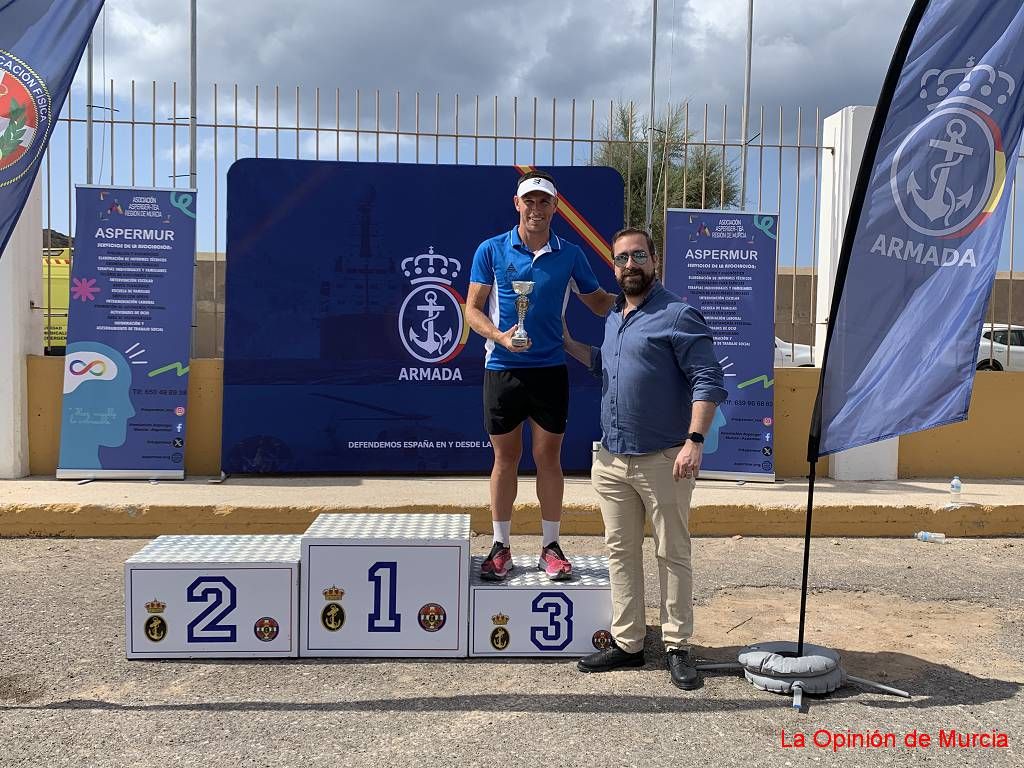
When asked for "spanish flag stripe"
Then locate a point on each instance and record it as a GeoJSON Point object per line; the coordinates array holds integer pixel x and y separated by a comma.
{"type": "Point", "coordinates": [998, 186]}
{"type": "Point", "coordinates": [999, 182]}
{"type": "Point", "coordinates": [583, 228]}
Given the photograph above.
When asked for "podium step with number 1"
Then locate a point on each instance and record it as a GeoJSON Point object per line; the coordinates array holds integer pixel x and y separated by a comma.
{"type": "Point", "coordinates": [385, 585]}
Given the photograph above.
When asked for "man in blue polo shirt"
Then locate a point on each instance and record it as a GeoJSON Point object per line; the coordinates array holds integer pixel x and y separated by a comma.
{"type": "Point", "coordinates": [528, 380]}
{"type": "Point", "coordinates": [662, 384]}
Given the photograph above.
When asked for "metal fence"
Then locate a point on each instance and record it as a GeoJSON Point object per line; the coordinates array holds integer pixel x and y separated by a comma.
{"type": "Point", "coordinates": [140, 137]}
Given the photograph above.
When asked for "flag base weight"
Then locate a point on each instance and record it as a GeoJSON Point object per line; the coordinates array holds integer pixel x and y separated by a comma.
{"type": "Point", "coordinates": [776, 667]}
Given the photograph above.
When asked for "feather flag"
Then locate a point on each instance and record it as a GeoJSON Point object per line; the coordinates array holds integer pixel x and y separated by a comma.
{"type": "Point", "coordinates": [922, 242]}
{"type": "Point", "coordinates": [41, 43]}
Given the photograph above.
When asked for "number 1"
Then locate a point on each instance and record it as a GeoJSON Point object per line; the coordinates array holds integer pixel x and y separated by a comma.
{"type": "Point", "coordinates": [380, 573]}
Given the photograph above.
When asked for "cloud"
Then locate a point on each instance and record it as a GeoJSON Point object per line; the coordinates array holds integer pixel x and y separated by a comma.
{"type": "Point", "coordinates": [583, 49]}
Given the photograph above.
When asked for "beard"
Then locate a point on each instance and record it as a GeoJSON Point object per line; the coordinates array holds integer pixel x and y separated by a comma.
{"type": "Point", "coordinates": [635, 282]}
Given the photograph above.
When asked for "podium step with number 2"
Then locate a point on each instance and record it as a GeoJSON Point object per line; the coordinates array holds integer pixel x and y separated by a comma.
{"type": "Point", "coordinates": [213, 597]}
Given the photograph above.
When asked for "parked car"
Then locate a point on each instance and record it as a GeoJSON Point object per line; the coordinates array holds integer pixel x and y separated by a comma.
{"type": "Point", "coordinates": [791, 355]}
{"type": "Point", "coordinates": [1001, 348]}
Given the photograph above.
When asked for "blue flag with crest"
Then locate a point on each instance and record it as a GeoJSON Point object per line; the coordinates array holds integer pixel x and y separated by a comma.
{"type": "Point", "coordinates": [923, 239]}
{"type": "Point", "coordinates": [41, 43]}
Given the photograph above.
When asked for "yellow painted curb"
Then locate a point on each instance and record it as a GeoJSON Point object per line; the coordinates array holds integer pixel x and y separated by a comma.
{"type": "Point", "coordinates": [146, 521]}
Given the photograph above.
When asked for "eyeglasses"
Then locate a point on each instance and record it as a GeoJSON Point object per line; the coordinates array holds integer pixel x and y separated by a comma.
{"type": "Point", "coordinates": [622, 259]}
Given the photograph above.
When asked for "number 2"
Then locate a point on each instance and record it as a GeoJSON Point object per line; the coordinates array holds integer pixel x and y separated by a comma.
{"type": "Point", "coordinates": [213, 590]}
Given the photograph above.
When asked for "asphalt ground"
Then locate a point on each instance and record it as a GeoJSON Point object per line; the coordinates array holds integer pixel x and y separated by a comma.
{"type": "Point", "coordinates": [945, 622]}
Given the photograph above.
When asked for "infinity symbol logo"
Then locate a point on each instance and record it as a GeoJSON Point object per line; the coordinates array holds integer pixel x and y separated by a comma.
{"type": "Point", "coordinates": [80, 367]}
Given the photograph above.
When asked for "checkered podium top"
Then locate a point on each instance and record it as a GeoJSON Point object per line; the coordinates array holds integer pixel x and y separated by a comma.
{"type": "Point", "coordinates": [427, 526]}
{"type": "Point", "coordinates": [587, 570]}
{"type": "Point", "coordinates": [220, 549]}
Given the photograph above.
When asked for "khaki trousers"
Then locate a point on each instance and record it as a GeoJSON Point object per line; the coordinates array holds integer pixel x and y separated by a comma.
{"type": "Point", "coordinates": [632, 488]}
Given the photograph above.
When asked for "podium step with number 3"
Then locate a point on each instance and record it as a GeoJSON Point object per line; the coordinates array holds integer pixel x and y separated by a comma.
{"type": "Point", "coordinates": [529, 615]}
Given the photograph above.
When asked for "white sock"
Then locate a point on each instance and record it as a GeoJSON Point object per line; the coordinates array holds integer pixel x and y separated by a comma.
{"type": "Point", "coordinates": [502, 530]}
{"type": "Point", "coordinates": [550, 531]}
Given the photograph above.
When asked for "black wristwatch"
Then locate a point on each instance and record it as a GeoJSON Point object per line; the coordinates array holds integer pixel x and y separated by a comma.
{"type": "Point", "coordinates": [695, 437]}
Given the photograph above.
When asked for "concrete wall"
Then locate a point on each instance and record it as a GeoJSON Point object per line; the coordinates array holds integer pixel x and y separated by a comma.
{"type": "Point", "coordinates": [989, 444]}
{"type": "Point", "coordinates": [21, 332]}
{"type": "Point", "coordinates": [795, 390]}
{"type": "Point", "coordinates": [202, 416]}
{"type": "Point", "coordinates": [795, 291]}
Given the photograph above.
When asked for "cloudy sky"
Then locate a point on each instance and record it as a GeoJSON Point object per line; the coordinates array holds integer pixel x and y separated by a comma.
{"type": "Point", "coordinates": [811, 53]}
{"type": "Point", "coordinates": [814, 54]}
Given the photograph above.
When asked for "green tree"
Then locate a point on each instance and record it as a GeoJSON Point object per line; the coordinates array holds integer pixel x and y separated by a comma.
{"type": "Point", "coordinates": [697, 174]}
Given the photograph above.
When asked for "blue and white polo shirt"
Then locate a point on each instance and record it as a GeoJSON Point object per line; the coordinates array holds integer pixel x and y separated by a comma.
{"type": "Point", "coordinates": [556, 267]}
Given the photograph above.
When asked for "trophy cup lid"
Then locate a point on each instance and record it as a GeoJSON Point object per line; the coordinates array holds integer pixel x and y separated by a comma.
{"type": "Point", "coordinates": [522, 287]}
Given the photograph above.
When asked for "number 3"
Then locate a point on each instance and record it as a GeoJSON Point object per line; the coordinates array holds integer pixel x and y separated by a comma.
{"type": "Point", "coordinates": [557, 633]}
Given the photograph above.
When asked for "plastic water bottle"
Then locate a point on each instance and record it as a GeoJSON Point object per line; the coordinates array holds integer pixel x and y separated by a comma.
{"type": "Point", "coordinates": [955, 487]}
{"type": "Point", "coordinates": [938, 538]}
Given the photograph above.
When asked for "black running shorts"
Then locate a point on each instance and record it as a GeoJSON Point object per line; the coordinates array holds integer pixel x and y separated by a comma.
{"type": "Point", "coordinates": [512, 396]}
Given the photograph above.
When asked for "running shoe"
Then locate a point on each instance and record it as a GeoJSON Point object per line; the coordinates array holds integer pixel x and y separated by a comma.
{"type": "Point", "coordinates": [498, 564]}
{"type": "Point", "coordinates": [554, 563]}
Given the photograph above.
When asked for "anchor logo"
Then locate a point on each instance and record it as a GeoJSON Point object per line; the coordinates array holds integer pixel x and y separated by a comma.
{"type": "Point", "coordinates": [949, 172]}
{"type": "Point", "coordinates": [431, 322]}
{"type": "Point", "coordinates": [944, 201]}
{"type": "Point", "coordinates": [156, 628]}
{"type": "Point", "coordinates": [433, 340]}
{"type": "Point", "coordinates": [332, 617]}
{"type": "Point", "coordinates": [958, 153]}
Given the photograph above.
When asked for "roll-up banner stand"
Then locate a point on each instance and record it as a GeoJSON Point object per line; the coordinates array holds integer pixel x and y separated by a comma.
{"type": "Point", "coordinates": [129, 334]}
{"type": "Point", "coordinates": [723, 263]}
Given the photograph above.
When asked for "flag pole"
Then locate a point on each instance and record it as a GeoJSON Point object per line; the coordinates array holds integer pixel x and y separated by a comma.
{"type": "Point", "coordinates": [193, 86]}
{"type": "Point", "coordinates": [807, 557]}
{"type": "Point", "coordinates": [88, 110]}
{"type": "Point", "coordinates": [745, 121]}
{"type": "Point", "coordinates": [650, 126]}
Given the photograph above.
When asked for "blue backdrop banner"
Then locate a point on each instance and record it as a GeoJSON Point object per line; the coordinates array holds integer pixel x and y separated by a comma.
{"type": "Point", "coordinates": [924, 236]}
{"type": "Point", "coordinates": [346, 348]}
{"type": "Point", "coordinates": [41, 43]}
{"type": "Point", "coordinates": [723, 263]}
{"type": "Point", "coordinates": [129, 334]}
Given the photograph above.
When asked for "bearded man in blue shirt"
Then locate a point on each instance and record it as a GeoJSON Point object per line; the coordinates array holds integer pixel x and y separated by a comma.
{"type": "Point", "coordinates": [661, 385]}
{"type": "Point", "coordinates": [527, 380]}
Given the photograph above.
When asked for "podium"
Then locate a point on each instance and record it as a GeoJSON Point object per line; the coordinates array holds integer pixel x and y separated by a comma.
{"type": "Point", "coordinates": [213, 597]}
{"type": "Point", "coordinates": [356, 585]}
{"type": "Point", "coordinates": [529, 615]}
{"type": "Point", "coordinates": [385, 585]}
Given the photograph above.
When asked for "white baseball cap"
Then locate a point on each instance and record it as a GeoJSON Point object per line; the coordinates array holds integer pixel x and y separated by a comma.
{"type": "Point", "coordinates": [536, 184]}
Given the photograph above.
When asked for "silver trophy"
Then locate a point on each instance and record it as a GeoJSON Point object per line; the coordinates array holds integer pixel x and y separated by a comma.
{"type": "Point", "coordinates": [523, 288]}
